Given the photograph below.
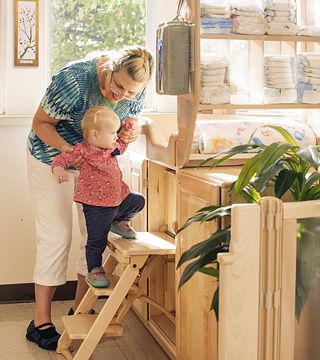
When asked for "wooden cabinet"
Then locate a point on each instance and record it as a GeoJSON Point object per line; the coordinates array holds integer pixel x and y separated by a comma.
{"type": "Point", "coordinates": [196, 325]}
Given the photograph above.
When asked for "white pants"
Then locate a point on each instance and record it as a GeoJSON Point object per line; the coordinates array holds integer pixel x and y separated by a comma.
{"type": "Point", "coordinates": [53, 205]}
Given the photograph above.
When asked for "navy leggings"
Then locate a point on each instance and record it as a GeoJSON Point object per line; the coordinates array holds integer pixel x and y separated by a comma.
{"type": "Point", "coordinates": [99, 220]}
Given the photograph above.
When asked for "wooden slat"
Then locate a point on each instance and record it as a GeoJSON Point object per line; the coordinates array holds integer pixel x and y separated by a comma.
{"type": "Point", "coordinates": [239, 287]}
{"type": "Point", "coordinates": [146, 243]}
{"type": "Point", "coordinates": [78, 326]}
{"type": "Point", "coordinates": [107, 291]}
{"type": "Point", "coordinates": [301, 210]}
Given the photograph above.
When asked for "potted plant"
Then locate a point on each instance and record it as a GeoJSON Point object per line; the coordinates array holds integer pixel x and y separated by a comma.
{"type": "Point", "coordinates": [289, 168]}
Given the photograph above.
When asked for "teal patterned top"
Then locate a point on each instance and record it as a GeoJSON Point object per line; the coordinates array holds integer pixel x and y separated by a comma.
{"type": "Point", "coordinates": [72, 91]}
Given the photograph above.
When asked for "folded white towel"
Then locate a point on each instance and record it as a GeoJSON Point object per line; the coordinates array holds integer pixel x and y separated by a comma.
{"type": "Point", "coordinates": [247, 7]}
{"type": "Point", "coordinates": [309, 30]}
{"type": "Point", "coordinates": [289, 85]}
{"type": "Point", "coordinates": [221, 71]}
{"type": "Point", "coordinates": [215, 94]}
{"type": "Point", "coordinates": [257, 29]}
{"type": "Point", "coordinates": [280, 6]}
{"type": "Point", "coordinates": [214, 78]}
{"type": "Point", "coordinates": [309, 59]}
{"type": "Point", "coordinates": [281, 29]}
{"type": "Point", "coordinates": [281, 19]}
{"type": "Point", "coordinates": [278, 13]}
{"type": "Point", "coordinates": [309, 80]}
{"type": "Point", "coordinates": [272, 71]}
{"type": "Point", "coordinates": [278, 96]}
{"type": "Point", "coordinates": [278, 58]}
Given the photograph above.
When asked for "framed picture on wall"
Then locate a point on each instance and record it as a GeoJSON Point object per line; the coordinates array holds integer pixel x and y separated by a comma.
{"type": "Point", "coordinates": [26, 32]}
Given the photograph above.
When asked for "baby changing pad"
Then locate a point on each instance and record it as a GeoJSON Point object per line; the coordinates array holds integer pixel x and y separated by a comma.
{"type": "Point", "coordinates": [213, 136]}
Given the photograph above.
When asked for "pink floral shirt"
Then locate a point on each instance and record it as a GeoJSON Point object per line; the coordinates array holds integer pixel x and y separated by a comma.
{"type": "Point", "coordinates": [100, 181]}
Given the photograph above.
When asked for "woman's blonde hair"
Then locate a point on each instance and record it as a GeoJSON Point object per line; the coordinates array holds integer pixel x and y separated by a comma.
{"type": "Point", "coordinates": [136, 60]}
{"type": "Point", "coordinates": [92, 121]}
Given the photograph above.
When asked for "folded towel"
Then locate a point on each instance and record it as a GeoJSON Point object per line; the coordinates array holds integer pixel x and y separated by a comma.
{"type": "Point", "coordinates": [309, 30]}
{"type": "Point", "coordinates": [278, 13]}
{"type": "Point", "coordinates": [280, 6]}
{"type": "Point", "coordinates": [281, 29]}
{"type": "Point", "coordinates": [215, 94]}
{"type": "Point", "coordinates": [309, 59]}
{"type": "Point", "coordinates": [279, 96]}
{"type": "Point", "coordinates": [308, 93]}
{"type": "Point", "coordinates": [220, 71]}
{"type": "Point", "coordinates": [281, 19]}
{"type": "Point", "coordinates": [258, 29]}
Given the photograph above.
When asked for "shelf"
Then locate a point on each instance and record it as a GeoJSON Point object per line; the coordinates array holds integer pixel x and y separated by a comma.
{"type": "Point", "coordinates": [257, 106]}
{"type": "Point", "coordinates": [295, 38]}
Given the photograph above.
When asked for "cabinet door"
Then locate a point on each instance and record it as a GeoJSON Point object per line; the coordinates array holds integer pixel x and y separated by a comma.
{"type": "Point", "coordinates": [196, 324]}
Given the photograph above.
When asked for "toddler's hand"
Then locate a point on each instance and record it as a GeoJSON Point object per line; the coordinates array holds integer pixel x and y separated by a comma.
{"type": "Point", "coordinates": [129, 131]}
{"type": "Point", "coordinates": [61, 174]}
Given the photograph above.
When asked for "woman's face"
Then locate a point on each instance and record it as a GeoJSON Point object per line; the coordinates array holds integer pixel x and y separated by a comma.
{"type": "Point", "coordinates": [120, 86]}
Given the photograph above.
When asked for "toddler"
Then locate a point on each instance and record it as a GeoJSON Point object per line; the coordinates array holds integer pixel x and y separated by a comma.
{"type": "Point", "coordinates": [108, 204]}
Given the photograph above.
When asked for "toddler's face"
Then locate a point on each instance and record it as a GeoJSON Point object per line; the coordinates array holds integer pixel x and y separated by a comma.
{"type": "Point", "coordinates": [107, 135]}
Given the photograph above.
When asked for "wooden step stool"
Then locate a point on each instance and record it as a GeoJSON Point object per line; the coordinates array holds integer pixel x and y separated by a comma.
{"type": "Point", "coordinates": [138, 257]}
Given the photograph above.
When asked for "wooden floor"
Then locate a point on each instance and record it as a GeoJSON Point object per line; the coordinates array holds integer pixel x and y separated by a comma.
{"type": "Point", "coordinates": [136, 344]}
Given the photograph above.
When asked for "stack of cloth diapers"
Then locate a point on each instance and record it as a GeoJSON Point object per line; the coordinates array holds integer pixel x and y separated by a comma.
{"type": "Point", "coordinates": [281, 17]}
{"type": "Point", "coordinates": [215, 87]}
{"type": "Point", "coordinates": [279, 84]}
{"type": "Point", "coordinates": [247, 18]}
{"type": "Point", "coordinates": [308, 78]}
{"type": "Point", "coordinates": [215, 17]}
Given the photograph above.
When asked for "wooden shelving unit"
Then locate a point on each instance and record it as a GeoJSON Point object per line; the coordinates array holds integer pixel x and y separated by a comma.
{"type": "Point", "coordinates": [189, 105]}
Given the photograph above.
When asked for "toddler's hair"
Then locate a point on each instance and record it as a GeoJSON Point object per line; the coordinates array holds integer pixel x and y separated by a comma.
{"type": "Point", "coordinates": [92, 121]}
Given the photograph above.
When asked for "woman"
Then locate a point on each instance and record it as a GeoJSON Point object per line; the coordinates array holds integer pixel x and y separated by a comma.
{"type": "Point", "coordinates": [116, 79]}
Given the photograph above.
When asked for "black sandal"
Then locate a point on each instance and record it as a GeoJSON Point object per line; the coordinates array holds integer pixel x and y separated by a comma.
{"type": "Point", "coordinates": [46, 339]}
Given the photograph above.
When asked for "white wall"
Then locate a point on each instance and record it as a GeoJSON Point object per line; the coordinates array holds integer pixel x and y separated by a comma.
{"type": "Point", "coordinates": [24, 89]}
{"type": "Point", "coordinates": [24, 86]}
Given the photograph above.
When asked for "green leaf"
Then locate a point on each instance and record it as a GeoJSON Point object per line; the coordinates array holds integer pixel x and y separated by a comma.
{"type": "Point", "coordinates": [311, 155]}
{"type": "Point", "coordinates": [247, 172]}
{"type": "Point", "coordinates": [261, 181]}
{"type": "Point", "coordinates": [198, 264]}
{"type": "Point", "coordinates": [220, 211]}
{"type": "Point", "coordinates": [250, 194]}
{"type": "Point", "coordinates": [239, 149]}
{"type": "Point", "coordinates": [271, 155]}
{"type": "Point", "coordinates": [215, 240]}
{"type": "Point", "coordinates": [286, 135]}
{"type": "Point", "coordinates": [210, 271]}
{"type": "Point", "coordinates": [215, 303]}
{"type": "Point", "coordinates": [284, 182]}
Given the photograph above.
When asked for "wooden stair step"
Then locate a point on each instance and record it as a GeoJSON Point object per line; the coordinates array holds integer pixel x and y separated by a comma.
{"type": "Point", "coordinates": [146, 243]}
{"type": "Point", "coordinates": [78, 326]}
{"type": "Point", "coordinates": [113, 282]}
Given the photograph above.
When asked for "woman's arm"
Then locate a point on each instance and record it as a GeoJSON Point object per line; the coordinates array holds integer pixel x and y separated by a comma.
{"type": "Point", "coordinates": [45, 128]}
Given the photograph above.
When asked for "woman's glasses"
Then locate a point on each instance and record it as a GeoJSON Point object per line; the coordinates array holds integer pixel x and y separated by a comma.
{"type": "Point", "coordinates": [118, 90]}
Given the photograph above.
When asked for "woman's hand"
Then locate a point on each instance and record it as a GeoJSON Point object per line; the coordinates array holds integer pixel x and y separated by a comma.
{"type": "Point", "coordinates": [129, 130]}
{"type": "Point", "coordinates": [60, 174]}
{"type": "Point", "coordinates": [67, 148]}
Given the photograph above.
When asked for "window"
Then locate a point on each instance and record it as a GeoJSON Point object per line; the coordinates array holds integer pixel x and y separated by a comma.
{"type": "Point", "coordinates": [80, 27]}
